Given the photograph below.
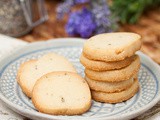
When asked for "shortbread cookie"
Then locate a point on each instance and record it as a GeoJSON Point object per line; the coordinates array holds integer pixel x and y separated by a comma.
{"type": "Point", "coordinates": [109, 87]}
{"type": "Point", "coordinates": [30, 71]}
{"type": "Point", "coordinates": [112, 46]}
{"type": "Point", "coordinates": [61, 93]}
{"type": "Point", "coordinates": [27, 63]}
{"type": "Point", "coordinates": [117, 96]}
{"type": "Point", "coordinates": [115, 75]}
{"type": "Point", "coordinates": [102, 66]}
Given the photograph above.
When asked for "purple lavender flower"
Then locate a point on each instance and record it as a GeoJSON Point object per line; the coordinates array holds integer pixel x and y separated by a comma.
{"type": "Point", "coordinates": [101, 12]}
{"type": "Point", "coordinates": [64, 8]}
{"type": "Point", "coordinates": [81, 1]}
{"type": "Point", "coordinates": [81, 22]}
{"type": "Point", "coordinates": [96, 19]}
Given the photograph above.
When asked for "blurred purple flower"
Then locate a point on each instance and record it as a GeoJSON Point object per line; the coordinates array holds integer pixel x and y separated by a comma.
{"type": "Point", "coordinates": [82, 23]}
{"type": "Point", "coordinates": [64, 8]}
{"type": "Point", "coordinates": [81, 1]}
{"type": "Point", "coordinates": [102, 14]}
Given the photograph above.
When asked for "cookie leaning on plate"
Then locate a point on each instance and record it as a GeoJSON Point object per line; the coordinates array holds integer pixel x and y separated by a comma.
{"type": "Point", "coordinates": [32, 70]}
{"type": "Point", "coordinates": [112, 46]}
{"type": "Point", "coordinates": [61, 93]}
{"type": "Point", "coordinates": [22, 67]}
{"type": "Point", "coordinates": [117, 96]}
{"type": "Point", "coordinates": [115, 75]}
{"type": "Point", "coordinates": [102, 66]}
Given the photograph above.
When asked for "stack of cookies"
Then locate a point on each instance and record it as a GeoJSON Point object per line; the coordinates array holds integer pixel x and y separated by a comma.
{"type": "Point", "coordinates": [111, 66]}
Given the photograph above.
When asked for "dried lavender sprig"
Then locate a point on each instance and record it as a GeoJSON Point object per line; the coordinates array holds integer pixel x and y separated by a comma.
{"type": "Point", "coordinates": [64, 8]}
{"type": "Point", "coordinates": [81, 1]}
{"type": "Point", "coordinates": [101, 14]}
{"type": "Point", "coordinates": [81, 23]}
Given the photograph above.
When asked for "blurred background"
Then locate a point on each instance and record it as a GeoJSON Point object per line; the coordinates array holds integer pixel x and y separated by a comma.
{"type": "Point", "coordinates": [37, 20]}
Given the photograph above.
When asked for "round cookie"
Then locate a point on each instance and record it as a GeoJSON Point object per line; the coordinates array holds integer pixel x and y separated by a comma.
{"type": "Point", "coordinates": [117, 96]}
{"type": "Point", "coordinates": [109, 87]}
{"type": "Point", "coordinates": [61, 93]}
{"type": "Point", "coordinates": [112, 46]}
{"type": "Point", "coordinates": [115, 75]}
{"type": "Point", "coordinates": [102, 66]}
{"type": "Point", "coordinates": [25, 86]}
{"type": "Point", "coordinates": [20, 70]}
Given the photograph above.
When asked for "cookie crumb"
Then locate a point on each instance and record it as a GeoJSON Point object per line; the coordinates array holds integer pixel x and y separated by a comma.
{"type": "Point", "coordinates": [36, 67]}
{"type": "Point", "coordinates": [62, 99]}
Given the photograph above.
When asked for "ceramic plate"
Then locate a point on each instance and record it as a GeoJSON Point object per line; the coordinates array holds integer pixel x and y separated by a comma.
{"type": "Point", "coordinates": [11, 94]}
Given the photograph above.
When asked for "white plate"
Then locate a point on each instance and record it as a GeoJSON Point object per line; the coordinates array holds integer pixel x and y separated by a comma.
{"type": "Point", "coordinates": [71, 48]}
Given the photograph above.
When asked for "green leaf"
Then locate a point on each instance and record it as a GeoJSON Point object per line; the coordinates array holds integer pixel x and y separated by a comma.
{"type": "Point", "coordinates": [129, 11]}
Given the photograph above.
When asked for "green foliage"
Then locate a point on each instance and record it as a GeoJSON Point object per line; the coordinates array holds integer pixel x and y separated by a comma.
{"type": "Point", "coordinates": [129, 11]}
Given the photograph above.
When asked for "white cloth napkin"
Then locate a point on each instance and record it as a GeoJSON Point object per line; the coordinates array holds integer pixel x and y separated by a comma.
{"type": "Point", "coordinates": [8, 45]}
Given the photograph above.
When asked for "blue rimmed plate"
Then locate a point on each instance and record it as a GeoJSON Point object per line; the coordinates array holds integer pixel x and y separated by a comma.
{"type": "Point", "coordinates": [71, 48]}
